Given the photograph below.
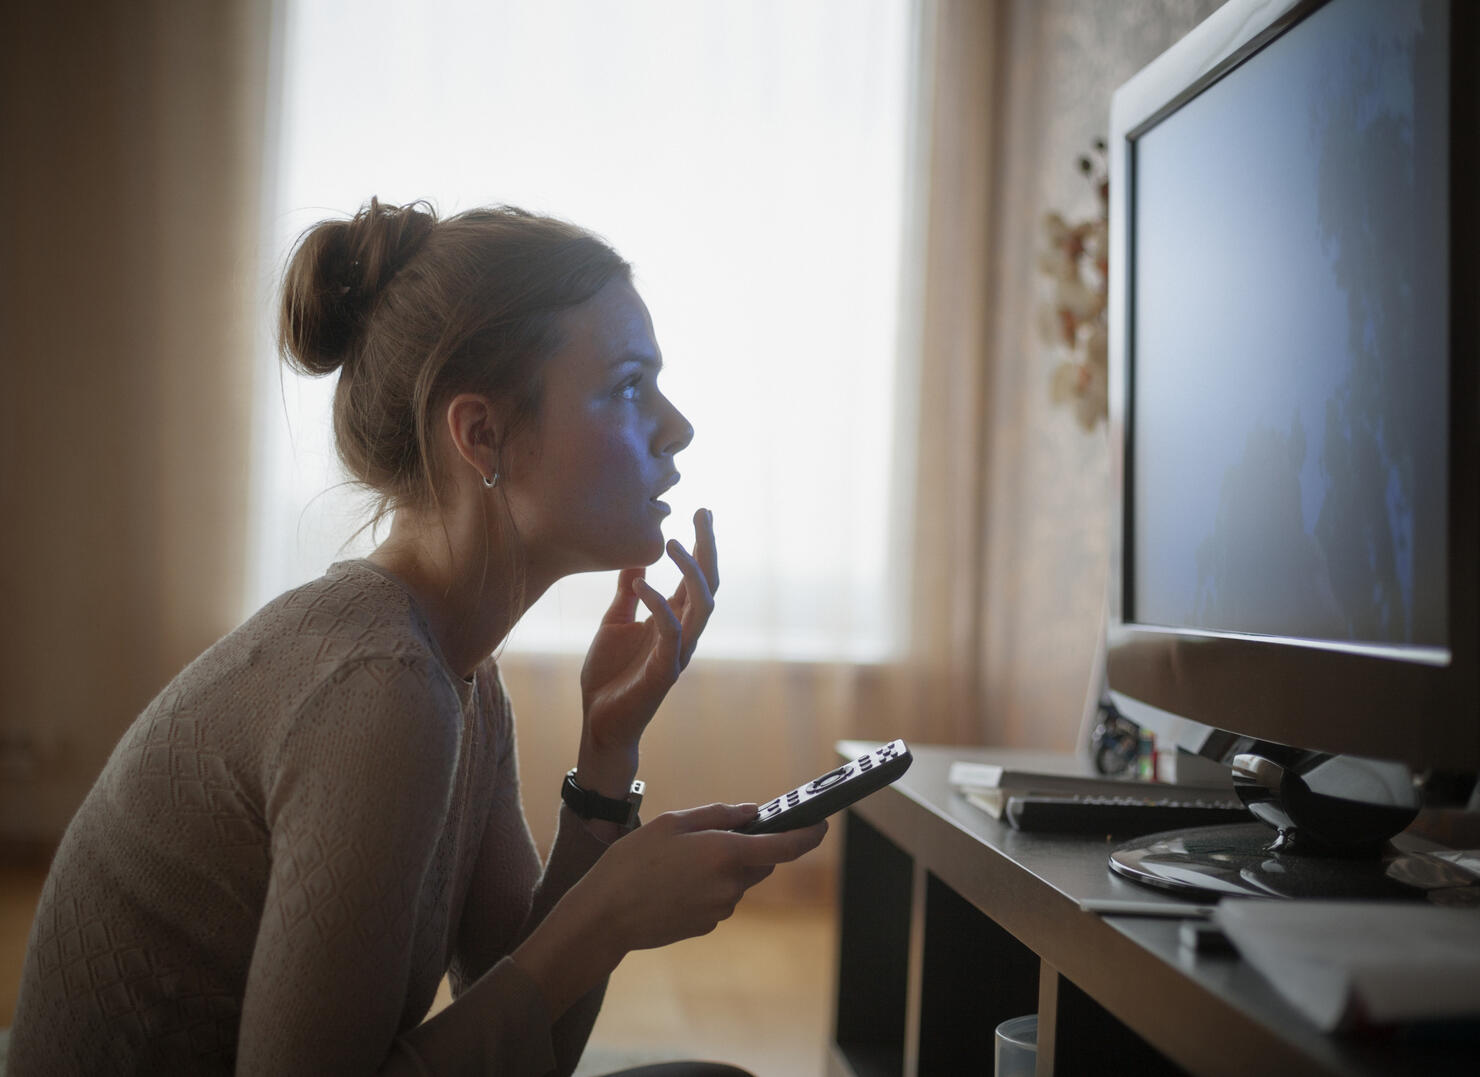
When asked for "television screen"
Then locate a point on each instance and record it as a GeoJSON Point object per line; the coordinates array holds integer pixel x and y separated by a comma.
{"type": "Point", "coordinates": [1292, 398]}
{"type": "Point", "coordinates": [1289, 303]}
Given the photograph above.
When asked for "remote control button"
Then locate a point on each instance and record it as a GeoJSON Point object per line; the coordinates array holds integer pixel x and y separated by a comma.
{"type": "Point", "coordinates": [831, 779]}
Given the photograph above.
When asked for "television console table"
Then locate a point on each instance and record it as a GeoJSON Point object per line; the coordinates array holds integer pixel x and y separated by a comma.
{"type": "Point", "coordinates": [951, 922]}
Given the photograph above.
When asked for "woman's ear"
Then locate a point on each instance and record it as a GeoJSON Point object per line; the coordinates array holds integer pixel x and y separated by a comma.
{"type": "Point", "coordinates": [474, 429]}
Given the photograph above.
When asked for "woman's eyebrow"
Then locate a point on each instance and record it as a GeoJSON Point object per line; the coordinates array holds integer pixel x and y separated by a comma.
{"type": "Point", "coordinates": [642, 359]}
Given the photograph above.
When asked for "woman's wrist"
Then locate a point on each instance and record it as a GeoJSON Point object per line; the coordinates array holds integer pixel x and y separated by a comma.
{"type": "Point", "coordinates": [607, 771]}
{"type": "Point", "coordinates": [571, 952]}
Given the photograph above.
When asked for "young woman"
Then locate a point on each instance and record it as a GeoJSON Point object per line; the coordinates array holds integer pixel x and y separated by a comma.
{"type": "Point", "coordinates": [320, 817]}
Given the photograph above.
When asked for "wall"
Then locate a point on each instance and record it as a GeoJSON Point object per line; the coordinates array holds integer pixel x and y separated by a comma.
{"type": "Point", "coordinates": [1050, 67]}
{"type": "Point", "coordinates": [1047, 482]}
{"type": "Point", "coordinates": [132, 138]}
{"type": "Point", "coordinates": [127, 286]}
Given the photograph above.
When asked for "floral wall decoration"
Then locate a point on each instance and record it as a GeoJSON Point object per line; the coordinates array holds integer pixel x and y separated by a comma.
{"type": "Point", "coordinates": [1075, 260]}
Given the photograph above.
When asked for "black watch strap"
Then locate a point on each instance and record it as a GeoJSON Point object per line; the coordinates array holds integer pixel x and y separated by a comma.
{"type": "Point", "coordinates": [589, 805]}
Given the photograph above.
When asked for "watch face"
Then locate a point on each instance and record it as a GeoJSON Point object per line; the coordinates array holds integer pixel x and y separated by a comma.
{"type": "Point", "coordinates": [589, 805]}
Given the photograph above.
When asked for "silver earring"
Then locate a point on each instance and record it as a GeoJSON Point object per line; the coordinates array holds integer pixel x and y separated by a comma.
{"type": "Point", "coordinates": [491, 483]}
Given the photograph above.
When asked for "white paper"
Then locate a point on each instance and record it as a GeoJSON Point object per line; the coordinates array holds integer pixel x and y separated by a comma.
{"type": "Point", "coordinates": [1469, 859]}
{"type": "Point", "coordinates": [1347, 962]}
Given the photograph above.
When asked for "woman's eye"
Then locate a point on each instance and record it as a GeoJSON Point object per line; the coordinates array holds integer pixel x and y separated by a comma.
{"type": "Point", "coordinates": [629, 389]}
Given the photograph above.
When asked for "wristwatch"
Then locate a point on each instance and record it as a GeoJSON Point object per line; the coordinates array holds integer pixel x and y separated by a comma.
{"type": "Point", "coordinates": [589, 805]}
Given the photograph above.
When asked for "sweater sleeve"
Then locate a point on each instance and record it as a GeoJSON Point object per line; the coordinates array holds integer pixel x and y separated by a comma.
{"type": "Point", "coordinates": [485, 938]}
{"type": "Point", "coordinates": [475, 1027]}
{"type": "Point", "coordinates": [357, 794]}
{"type": "Point", "coordinates": [498, 1022]}
{"type": "Point", "coordinates": [574, 851]}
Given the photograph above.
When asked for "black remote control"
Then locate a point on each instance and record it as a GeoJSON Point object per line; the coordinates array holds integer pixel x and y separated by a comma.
{"type": "Point", "coordinates": [833, 791]}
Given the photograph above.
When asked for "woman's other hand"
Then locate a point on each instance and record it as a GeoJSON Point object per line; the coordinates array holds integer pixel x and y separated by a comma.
{"type": "Point", "coordinates": [631, 664]}
{"type": "Point", "coordinates": [680, 875]}
{"type": "Point", "coordinates": [674, 878]}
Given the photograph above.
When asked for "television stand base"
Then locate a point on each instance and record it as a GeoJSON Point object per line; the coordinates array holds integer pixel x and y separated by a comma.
{"type": "Point", "coordinates": [1236, 861]}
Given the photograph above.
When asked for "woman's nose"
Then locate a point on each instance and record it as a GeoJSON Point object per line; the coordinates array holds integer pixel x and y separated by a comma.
{"type": "Point", "coordinates": [677, 431]}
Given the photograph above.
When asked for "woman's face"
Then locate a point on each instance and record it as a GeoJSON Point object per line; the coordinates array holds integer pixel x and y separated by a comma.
{"type": "Point", "coordinates": [584, 480]}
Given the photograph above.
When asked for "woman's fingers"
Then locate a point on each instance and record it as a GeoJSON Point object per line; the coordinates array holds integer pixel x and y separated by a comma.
{"type": "Point", "coordinates": [751, 849]}
{"type": "Point", "coordinates": [623, 608]}
{"type": "Point", "coordinates": [683, 872]}
{"type": "Point", "coordinates": [665, 620]}
{"type": "Point", "coordinates": [784, 846]}
{"type": "Point", "coordinates": [750, 876]}
{"type": "Point", "coordinates": [711, 817]}
{"type": "Point", "coordinates": [693, 599]}
{"type": "Point", "coordinates": [705, 551]}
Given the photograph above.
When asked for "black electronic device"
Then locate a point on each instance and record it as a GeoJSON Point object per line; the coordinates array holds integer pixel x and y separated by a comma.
{"type": "Point", "coordinates": [1137, 813]}
{"type": "Point", "coordinates": [1202, 937]}
{"type": "Point", "coordinates": [833, 791]}
{"type": "Point", "coordinates": [1295, 541]}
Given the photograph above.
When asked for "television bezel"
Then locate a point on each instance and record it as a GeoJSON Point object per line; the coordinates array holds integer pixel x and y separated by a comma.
{"type": "Point", "coordinates": [1312, 697]}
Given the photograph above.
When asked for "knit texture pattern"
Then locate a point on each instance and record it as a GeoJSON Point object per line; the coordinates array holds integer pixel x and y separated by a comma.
{"type": "Point", "coordinates": [285, 853]}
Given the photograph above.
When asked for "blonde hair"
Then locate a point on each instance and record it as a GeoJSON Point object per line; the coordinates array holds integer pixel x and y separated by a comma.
{"type": "Point", "coordinates": [412, 310]}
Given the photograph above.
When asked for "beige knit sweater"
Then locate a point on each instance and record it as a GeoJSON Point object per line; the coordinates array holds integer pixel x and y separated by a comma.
{"type": "Point", "coordinates": [287, 850]}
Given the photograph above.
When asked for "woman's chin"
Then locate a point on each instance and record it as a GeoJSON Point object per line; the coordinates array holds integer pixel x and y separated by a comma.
{"type": "Point", "coordinates": [652, 551]}
{"type": "Point", "coordinates": [638, 554]}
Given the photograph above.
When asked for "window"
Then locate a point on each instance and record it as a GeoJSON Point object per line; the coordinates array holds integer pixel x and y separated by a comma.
{"type": "Point", "coordinates": [749, 159]}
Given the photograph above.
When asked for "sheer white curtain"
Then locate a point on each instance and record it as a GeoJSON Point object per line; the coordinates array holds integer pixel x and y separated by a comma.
{"type": "Point", "coordinates": [750, 159]}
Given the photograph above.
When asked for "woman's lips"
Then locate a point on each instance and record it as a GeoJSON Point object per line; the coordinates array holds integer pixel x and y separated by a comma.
{"type": "Point", "coordinates": [668, 484]}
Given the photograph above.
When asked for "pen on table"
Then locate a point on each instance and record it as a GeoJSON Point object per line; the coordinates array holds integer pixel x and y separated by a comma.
{"type": "Point", "coordinates": [1168, 909]}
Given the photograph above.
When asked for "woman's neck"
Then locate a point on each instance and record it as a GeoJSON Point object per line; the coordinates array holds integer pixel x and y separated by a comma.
{"type": "Point", "coordinates": [467, 583]}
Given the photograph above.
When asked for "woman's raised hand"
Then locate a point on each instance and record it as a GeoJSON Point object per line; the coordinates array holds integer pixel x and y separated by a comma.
{"type": "Point", "coordinates": [631, 664]}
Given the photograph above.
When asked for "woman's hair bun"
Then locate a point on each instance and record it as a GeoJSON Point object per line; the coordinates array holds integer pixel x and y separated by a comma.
{"type": "Point", "coordinates": [337, 274]}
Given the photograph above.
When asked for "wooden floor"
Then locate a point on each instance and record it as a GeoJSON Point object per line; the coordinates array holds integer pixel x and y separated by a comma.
{"type": "Point", "coordinates": [755, 993]}
{"type": "Point", "coordinates": [19, 889]}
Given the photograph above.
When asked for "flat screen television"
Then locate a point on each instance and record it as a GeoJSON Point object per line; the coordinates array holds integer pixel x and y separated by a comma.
{"type": "Point", "coordinates": [1294, 310]}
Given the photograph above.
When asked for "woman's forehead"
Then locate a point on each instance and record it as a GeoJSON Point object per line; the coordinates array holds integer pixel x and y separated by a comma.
{"type": "Point", "coordinates": [610, 330]}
